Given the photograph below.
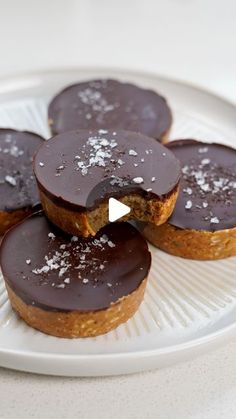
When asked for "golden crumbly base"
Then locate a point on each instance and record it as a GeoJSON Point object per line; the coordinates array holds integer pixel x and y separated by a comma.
{"type": "Point", "coordinates": [88, 223]}
{"type": "Point", "coordinates": [9, 219]}
{"type": "Point", "coordinates": [75, 324]}
{"type": "Point", "coordinates": [163, 139]}
{"type": "Point", "coordinates": [192, 244]}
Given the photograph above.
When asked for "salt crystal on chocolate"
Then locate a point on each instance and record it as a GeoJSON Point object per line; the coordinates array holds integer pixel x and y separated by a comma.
{"type": "Point", "coordinates": [67, 280]}
{"type": "Point", "coordinates": [132, 153]}
{"type": "Point", "coordinates": [85, 281]}
{"type": "Point", "coordinates": [188, 205]}
{"type": "Point", "coordinates": [138, 180]}
{"type": "Point", "coordinates": [203, 150]}
{"type": "Point", "coordinates": [11, 180]}
{"type": "Point", "coordinates": [205, 161]}
{"type": "Point", "coordinates": [51, 235]}
{"type": "Point", "coordinates": [214, 220]}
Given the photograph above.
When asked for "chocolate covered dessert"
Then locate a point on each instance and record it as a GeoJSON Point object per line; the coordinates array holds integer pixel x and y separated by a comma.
{"type": "Point", "coordinates": [79, 170]}
{"type": "Point", "coordinates": [96, 104]}
{"type": "Point", "coordinates": [68, 286]}
{"type": "Point", "coordinates": [203, 224]}
{"type": "Point", "coordinates": [18, 189]}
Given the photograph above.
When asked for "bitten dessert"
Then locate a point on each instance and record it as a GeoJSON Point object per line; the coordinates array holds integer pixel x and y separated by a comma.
{"type": "Point", "coordinates": [79, 170]}
{"type": "Point", "coordinates": [18, 189]}
{"type": "Point", "coordinates": [73, 287]}
{"type": "Point", "coordinates": [203, 224]}
{"type": "Point", "coordinates": [96, 104]}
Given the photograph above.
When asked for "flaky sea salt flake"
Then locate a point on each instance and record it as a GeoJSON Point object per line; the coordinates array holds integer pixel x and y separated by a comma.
{"type": "Point", "coordinates": [67, 280]}
{"type": "Point", "coordinates": [11, 180]}
{"type": "Point", "coordinates": [51, 236]}
{"type": "Point", "coordinates": [132, 153]}
{"type": "Point", "coordinates": [60, 286]}
{"type": "Point", "coordinates": [85, 281]}
{"type": "Point", "coordinates": [205, 161]}
{"type": "Point", "coordinates": [138, 180]}
{"type": "Point", "coordinates": [188, 205]}
{"type": "Point", "coordinates": [205, 187]}
{"type": "Point", "coordinates": [214, 220]}
{"type": "Point", "coordinates": [203, 150]}
{"type": "Point", "coordinates": [188, 190]}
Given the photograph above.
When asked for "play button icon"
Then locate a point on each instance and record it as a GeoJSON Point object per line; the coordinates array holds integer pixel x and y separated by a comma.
{"type": "Point", "coordinates": [116, 209]}
{"type": "Point", "coordinates": [106, 192]}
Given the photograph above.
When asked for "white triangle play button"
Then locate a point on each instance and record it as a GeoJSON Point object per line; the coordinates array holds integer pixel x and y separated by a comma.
{"type": "Point", "coordinates": [116, 209]}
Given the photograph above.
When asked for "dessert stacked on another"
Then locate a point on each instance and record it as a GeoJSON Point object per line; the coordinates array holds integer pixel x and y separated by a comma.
{"type": "Point", "coordinates": [78, 171]}
{"type": "Point", "coordinates": [74, 274]}
{"type": "Point", "coordinates": [89, 283]}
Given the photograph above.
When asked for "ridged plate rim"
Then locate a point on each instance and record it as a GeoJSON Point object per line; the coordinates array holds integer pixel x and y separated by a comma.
{"type": "Point", "coordinates": [209, 340]}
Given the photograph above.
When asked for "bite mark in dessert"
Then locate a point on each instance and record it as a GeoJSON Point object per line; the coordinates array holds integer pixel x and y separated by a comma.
{"type": "Point", "coordinates": [82, 169]}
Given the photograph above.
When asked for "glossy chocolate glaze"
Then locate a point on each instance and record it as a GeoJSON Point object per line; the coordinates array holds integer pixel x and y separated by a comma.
{"type": "Point", "coordinates": [97, 104]}
{"type": "Point", "coordinates": [207, 199]}
{"type": "Point", "coordinates": [18, 188]}
{"type": "Point", "coordinates": [80, 168]}
{"type": "Point", "coordinates": [49, 269]}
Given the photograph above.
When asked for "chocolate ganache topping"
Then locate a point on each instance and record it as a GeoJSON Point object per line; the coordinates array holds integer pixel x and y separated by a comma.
{"type": "Point", "coordinates": [57, 272]}
{"type": "Point", "coordinates": [109, 103]}
{"type": "Point", "coordinates": [70, 166]}
{"type": "Point", "coordinates": [18, 187]}
{"type": "Point", "coordinates": [207, 199]}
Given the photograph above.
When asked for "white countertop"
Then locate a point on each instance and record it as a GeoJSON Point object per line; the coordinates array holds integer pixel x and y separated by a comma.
{"type": "Point", "coordinates": [204, 388]}
{"type": "Point", "coordinates": [192, 40]}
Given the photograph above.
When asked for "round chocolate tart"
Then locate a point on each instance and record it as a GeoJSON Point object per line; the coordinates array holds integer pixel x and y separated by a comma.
{"type": "Point", "coordinates": [18, 189]}
{"type": "Point", "coordinates": [74, 287]}
{"type": "Point", "coordinates": [78, 171]}
{"type": "Point", "coordinates": [105, 103]}
{"type": "Point", "coordinates": [203, 224]}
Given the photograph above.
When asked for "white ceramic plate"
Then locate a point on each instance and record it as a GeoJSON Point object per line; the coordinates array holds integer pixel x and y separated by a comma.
{"type": "Point", "coordinates": [189, 306]}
